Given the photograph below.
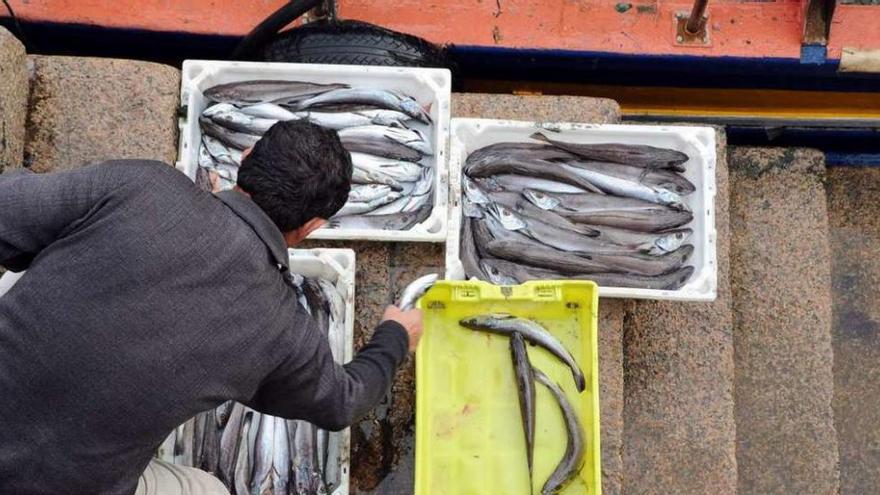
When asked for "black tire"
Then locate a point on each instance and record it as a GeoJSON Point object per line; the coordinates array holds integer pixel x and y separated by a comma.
{"type": "Point", "coordinates": [353, 43]}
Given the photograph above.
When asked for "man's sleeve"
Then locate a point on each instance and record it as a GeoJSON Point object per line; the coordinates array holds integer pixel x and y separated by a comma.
{"type": "Point", "coordinates": [37, 209]}
{"type": "Point", "coordinates": [312, 387]}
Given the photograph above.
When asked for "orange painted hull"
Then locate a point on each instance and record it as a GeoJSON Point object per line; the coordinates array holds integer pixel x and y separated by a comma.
{"type": "Point", "coordinates": [737, 29]}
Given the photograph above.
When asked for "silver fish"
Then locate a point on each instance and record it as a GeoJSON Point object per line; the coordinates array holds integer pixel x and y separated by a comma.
{"type": "Point", "coordinates": [261, 479]}
{"type": "Point", "coordinates": [653, 177]}
{"type": "Point", "coordinates": [319, 305]}
{"type": "Point", "coordinates": [361, 207]}
{"type": "Point", "coordinates": [532, 151]}
{"type": "Point", "coordinates": [540, 255]}
{"type": "Point", "coordinates": [573, 458]}
{"type": "Point", "coordinates": [332, 469]}
{"type": "Point", "coordinates": [203, 179]}
{"type": "Point", "coordinates": [242, 469]}
{"type": "Point", "coordinates": [361, 193]}
{"type": "Point", "coordinates": [261, 91]}
{"type": "Point", "coordinates": [220, 152]}
{"type": "Point", "coordinates": [416, 289]}
{"type": "Point", "coordinates": [470, 259]}
{"type": "Point", "coordinates": [280, 459]}
{"type": "Point", "coordinates": [411, 138]}
{"type": "Point", "coordinates": [513, 182]}
{"type": "Point", "coordinates": [397, 221]}
{"type": "Point", "coordinates": [507, 324]}
{"type": "Point", "coordinates": [609, 210]}
{"type": "Point", "coordinates": [399, 170]}
{"type": "Point", "coordinates": [222, 413]}
{"type": "Point", "coordinates": [385, 148]}
{"type": "Point", "coordinates": [307, 478]}
{"type": "Point", "coordinates": [403, 205]}
{"type": "Point", "coordinates": [377, 97]}
{"type": "Point", "coordinates": [237, 140]}
{"type": "Point", "coordinates": [366, 176]}
{"type": "Point", "coordinates": [649, 243]}
{"type": "Point", "coordinates": [515, 273]}
{"type": "Point", "coordinates": [344, 120]}
{"type": "Point", "coordinates": [555, 237]}
{"type": "Point", "coordinates": [516, 202]}
{"type": "Point", "coordinates": [184, 443]}
{"type": "Point", "coordinates": [269, 111]}
{"type": "Point", "coordinates": [230, 117]}
{"type": "Point", "coordinates": [627, 188]}
{"type": "Point", "coordinates": [534, 168]}
{"type": "Point", "coordinates": [525, 385]}
{"type": "Point", "coordinates": [205, 159]}
{"type": "Point", "coordinates": [337, 318]}
{"type": "Point", "coordinates": [200, 423]}
{"type": "Point", "coordinates": [423, 185]}
{"type": "Point", "coordinates": [629, 154]}
{"type": "Point", "coordinates": [229, 444]}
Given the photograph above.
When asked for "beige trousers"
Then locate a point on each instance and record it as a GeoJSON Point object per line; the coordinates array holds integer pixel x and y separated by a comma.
{"type": "Point", "coordinates": [162, 478]}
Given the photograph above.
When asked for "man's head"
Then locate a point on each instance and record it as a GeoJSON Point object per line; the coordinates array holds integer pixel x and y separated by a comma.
{"type": "Point", "coordinates": [299, 174]}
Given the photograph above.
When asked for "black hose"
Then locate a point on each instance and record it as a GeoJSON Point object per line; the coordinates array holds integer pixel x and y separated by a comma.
{"type": "Point", "coordinates": [270, 26]}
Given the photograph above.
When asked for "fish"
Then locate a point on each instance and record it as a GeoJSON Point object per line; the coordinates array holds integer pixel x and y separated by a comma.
{"type": "Point", "coordinates": [331, 468]}
{"type": "Point", "coordinates": [364, 176]}
{"type": "Point", "coordinates": [500, 151]}
{"type": "Point", "coordinates": [321, 450]}
{"type": "Point", "coordinates": [411, 138]}
{"type": "Point", "coordinates": [280, 474]}
{"type": "Point", "coordinates": [210, 444]}
{"type": "Point", "coordinates": [515, 273]}
{"type": "Point", "coordinates": [665, 179]}
{"type": "Point", "coordinates": [517, 203]}
{"type": "Point", "coordinates": [262, 91]}
{"type": "Point", "coordinates": [405, 204]}
{"type": "Point", "coordinates": [269, 111]}
{"type": "Point", "coordinates": [337, 318]}
{"type": "Point", "coordinates": [552, 236]}
{"type": "Point", "coordinates": [507, 324]}
{"type": "Point", "coordinates": [229, 444]}
{"type": "Point", "coordinates": [357, 118]}
{"type": "Point", "coordinates": [222, 413]}
{"type": "Point", "coordinates": [513, 182]}
{"type": "Point", "coordinates": [200, 422]}
{"type": "Point", "coordinates": [384, 147]}
{"type": "Point", "coordinates": [421, 186]}
{"type": "Point", "coordinates": [628, 154]}
{"type": "Point", "coordinates": [242, 469]}
{"type": "Point", "coordinates": [379, 98]}
{"type": "Point", "coordinates": [261, 479]}
{"type": "Point", "coordinates": [470, 259]}
{"type": "Point", "coordinates": [307, 478]}
{"type": "Point", "coordinates": [230, 117]}
{"type": "Point", "coordinates": [573, 458]}
{"type": "Point", "coordinates": [361, 207]}
{"type": "Point", "coordinates": [534, 168]}
{"type": "Point", "coordinates": [542, 256]}
{"type": "Point", "coordinates": [399, 170]}
{"type": "Point", "coordinates": [361, 193]}
{"type": "Point", "coordinates": [415, 290]}
{"type": "Point", "coordinates": [237, 140]}
{"type": "Point", "coordinates": [397, 221]}
{"type": "Point", "coordinates": [626, 187]}
{"type": "Point", "coordinates": [221, 153]}
{"type": "Point", "coordinates": [319, 305]}
{"type": "Point", "coordinates": [184, 442]}
{"type": "Point", "coordinates": [525, 385]}
{"type": "Point", "coordinates": [594, 209]}
{"type": "Point", "coordinates": [649, 243]}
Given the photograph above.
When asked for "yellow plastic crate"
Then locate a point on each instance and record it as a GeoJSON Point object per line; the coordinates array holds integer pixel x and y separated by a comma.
{"type": "Point", "coordinates": [469, 434]}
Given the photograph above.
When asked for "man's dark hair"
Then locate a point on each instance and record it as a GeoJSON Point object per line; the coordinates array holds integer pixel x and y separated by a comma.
{"type": "Point", "coordinates": [296, 172]}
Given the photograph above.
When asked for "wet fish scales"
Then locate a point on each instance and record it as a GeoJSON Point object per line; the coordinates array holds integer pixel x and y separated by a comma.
{"type": "Point", "coordinates": [636, 155]}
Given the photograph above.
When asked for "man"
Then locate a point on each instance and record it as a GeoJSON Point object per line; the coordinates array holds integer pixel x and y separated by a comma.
{"type": "Point", "coordinates": [147, 300]}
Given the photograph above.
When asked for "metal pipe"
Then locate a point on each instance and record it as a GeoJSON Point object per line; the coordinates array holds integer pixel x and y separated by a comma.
{"type": "Point", "coordinates": [697, 21]}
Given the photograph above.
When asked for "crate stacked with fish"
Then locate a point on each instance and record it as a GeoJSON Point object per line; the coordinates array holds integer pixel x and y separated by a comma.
{"type": "Point", "coordinates": [544, 206]}
{"type": "Point", "coordinates": [252, 452]}
{"type": "Point", "coordinates": [389, 127]}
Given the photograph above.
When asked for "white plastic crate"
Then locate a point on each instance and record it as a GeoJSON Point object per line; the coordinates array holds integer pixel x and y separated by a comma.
{"type": "Point", "coordinates": [698, 143]}
{"type": "Point", "coordinates": [427, 86]}
{"type": "Point", "coordinates": [338, 267]}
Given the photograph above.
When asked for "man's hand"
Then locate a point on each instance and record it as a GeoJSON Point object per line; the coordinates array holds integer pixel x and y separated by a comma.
{"type": "Point", "coordinates": [410, 320]}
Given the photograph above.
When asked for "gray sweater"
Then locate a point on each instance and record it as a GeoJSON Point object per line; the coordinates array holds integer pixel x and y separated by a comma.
{"type": "Point", "coordinates": [146, 301]}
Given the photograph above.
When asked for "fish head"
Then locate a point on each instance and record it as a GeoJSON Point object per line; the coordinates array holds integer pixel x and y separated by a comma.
{"type": "Point", "coordinates": [506, 216]}
{"type": "Point", "coordinates": [483, 322]}
{"type": "Point", "coordinates": [413, 108]}
{"type": "Point", "coordinates": [541, 199]}
{"type": "Point", "coordinates": [473, 192]}
{"type": "Point", "coordinates": [672, 199]}
{"type": "Point", "coordinates": [495, 275]}
{"type": "Point", "coordinates": [470, 209]}
{"type": "Point", "coordinates": [672, 240]}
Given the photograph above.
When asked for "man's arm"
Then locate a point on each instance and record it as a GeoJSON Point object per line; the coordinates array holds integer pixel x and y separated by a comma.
{"type": "Point", "coordinates": [37, 209]}
{"type": "Point", "coordinates": [312, 387]}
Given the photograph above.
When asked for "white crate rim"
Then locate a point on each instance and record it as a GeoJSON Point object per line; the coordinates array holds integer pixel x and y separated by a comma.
{"type": "Point", "coordinates": [700, 137]}
{"type": "Point", "coordinates": [438, 81]}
